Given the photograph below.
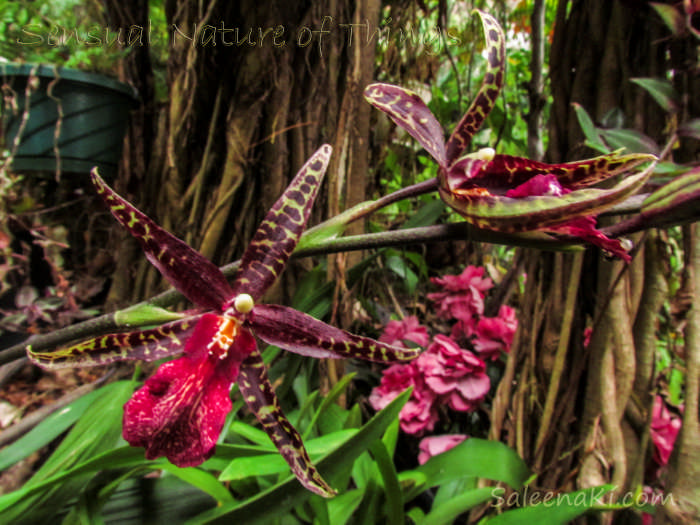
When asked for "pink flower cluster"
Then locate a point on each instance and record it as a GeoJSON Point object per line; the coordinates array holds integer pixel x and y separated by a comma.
{"type": "Point", "coordinates": [446, 374]}
{"type": "Point", "coordinates": [462, 299]}
{"type": "Point", "coordinates": [443, 375]}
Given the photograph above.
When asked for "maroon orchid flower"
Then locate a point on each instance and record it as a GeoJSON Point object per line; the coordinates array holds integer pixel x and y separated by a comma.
{"type": "Point", "coordinates": [502, 192]}
{"type": "Point", "coordinates": [180, 411]}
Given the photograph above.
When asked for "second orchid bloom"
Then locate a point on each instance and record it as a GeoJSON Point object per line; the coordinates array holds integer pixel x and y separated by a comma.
{"type": "Point", "coordinates": [506, 193]}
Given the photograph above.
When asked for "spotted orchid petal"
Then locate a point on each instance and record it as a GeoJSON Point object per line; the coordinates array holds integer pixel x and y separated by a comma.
{"type": "Point", "coordinates": [278, 234]}
{"type": "Point", "coordinates": [505, 172]}
{"type": "Point", "coordinates": [260, 397]}
{"type": "Point", "coordinates": [409, 111]}
{"type": "Point", "coordinates": [300, 333]}
{"type": "Point", "coordinates": [490, 88]}
{"type": "Point", "coordinates": [511, 215]}
{"type": "Point", "coordinates": [496, 191]}
{"type": "Point", "coordinates": [189, 272]}
{"type": "Point", "coordinates": [180, 410]}
{"type": "Point", "coordinates": [146, 345]}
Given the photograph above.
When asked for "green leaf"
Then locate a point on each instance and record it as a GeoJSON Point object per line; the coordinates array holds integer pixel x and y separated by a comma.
{"type": "Point", "coordinates": [476, 458]}
{"type": "Point", "coordinates": [593, 138]}
{"type": "Point", "coordinates": [273, 463]}
{"type": "Point", "coordinates": [447, 491]}
{"type": "Point", "coordinates": [123, 457]}
{"type": "Point", "coordinates": [400, 267]}
{"type": "Point", "coordinates": [391, 437]}
{"type": "Point", "coordinates": [672, 17]}
{"type": "Point", "coordinates": [97, 431]}
{"type": "Point", "coordinates": [254, 434]}
{"type": "Point", "coordinates": [661, 90]}
{"type": "Point", "coordinates": [460, 503]}
{"type": "Point", "coordinates": [365, 472]}
{"type": "Point", "coordinates": [319, 511]}
{"type": "Point", "coordinates": [413, 483]}
{"type": "Point", "coordinates": [558, 509]}
{"type": "Point", "coordinates": [342, 507]}
{"type": "Point", "coordinates": [204, 481]}
{"type": "Point", "coordinates": [334, 419]}
{"type": "Point", "coordinates": [159, 500]}
{"type": "Point", "coordinates": [426, 215]}
{"type": "Point", "coordinates": [127, 458]}
{"type": "Point", "coordinates": [277, 500]}
{"type": "Point", "coordinates": [46, 431]}
{"type": "Point", "coordinates": [633, 141]}
{"type": "Point", "coordinates": [675, 386]}
{"type": "Point", "coordinates": [329, 400]}
{"type": "Point", "coordinates": [392, 488]}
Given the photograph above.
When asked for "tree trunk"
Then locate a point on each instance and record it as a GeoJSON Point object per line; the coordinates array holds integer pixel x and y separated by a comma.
{"type": "Point", "coordinates": [254, 89]}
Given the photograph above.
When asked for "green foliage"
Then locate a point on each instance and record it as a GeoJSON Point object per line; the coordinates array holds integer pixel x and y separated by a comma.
{"type": "Point", "coordinates": [65, 33]}
{"type": "Point", "coordinates": [661, 90]}
{"type": "Point", "coordinates": [71, 33]}
{"type": "Point", "coordinates": [605, 140]}
{"type": "Point", "coordinates": [63, 474]}
{"type": "Point", "coordinates": [46, 431]}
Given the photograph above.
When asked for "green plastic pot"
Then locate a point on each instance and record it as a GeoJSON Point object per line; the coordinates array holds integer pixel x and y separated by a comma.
{"type": "Point", "coordinates": [95, 112]}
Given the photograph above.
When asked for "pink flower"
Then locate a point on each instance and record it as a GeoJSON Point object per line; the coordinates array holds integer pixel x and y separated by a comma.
{"type": "Point", "coordinates": [395, 380]}
{"type": "Point", "coordinates": [463, 295]}
{"type": "Point", "coordinates": [664, 430]}
{"type": "Point", "coordinates": [419, 414]}
{"type": "Point", "coordinates": [464, 329]}
{"type": "Point", "coordinates": [408, 329]}
{"type": "Point", "coordinates": [434, 445]}
{"type": "Point", "coordinates": [454, 374]}
{"type": "Point", "coordinates": [495, 334]}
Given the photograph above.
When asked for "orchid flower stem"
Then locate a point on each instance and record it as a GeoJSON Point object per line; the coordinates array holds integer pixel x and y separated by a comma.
{"type": "Point", "coordinates": [404, 193]}
{"type": "Point", "coordinates": [435, 233]}
{"type": "Point", "coordinates": [363, 209]}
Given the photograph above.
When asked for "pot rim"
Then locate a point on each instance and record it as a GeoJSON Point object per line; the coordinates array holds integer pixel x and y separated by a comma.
{"type": "Point", "coordinates": [76, 75]}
